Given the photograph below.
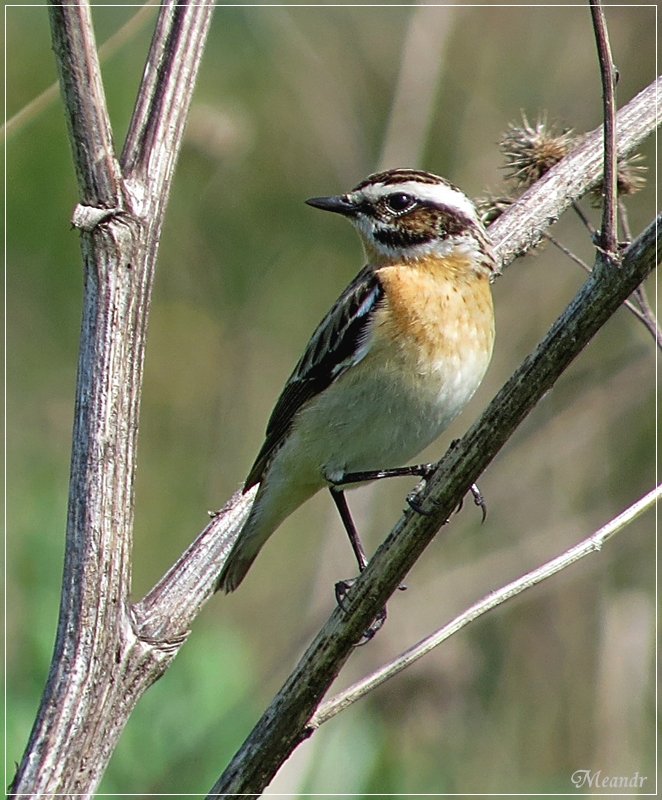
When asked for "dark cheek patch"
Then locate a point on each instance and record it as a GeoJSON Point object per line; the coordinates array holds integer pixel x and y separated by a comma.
{"type": "Point", "coordinates": [422, 220]}
{"type": "Point", "coordinates": [422, 224]}
{"type": "Point", "coordinates": [452, 223]}
{"type": "Point", "coordinates": [402, 237]}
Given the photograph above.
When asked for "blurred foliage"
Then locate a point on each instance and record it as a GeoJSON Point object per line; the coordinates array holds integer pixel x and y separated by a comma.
{"type": "Point", "coordinates": [294, 102]}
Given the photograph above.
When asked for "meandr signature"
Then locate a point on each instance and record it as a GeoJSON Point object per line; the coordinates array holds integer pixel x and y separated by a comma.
{"type": "Point", "coordinates": [596, 779]}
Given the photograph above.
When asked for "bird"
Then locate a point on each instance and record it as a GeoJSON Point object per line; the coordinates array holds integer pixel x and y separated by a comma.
{"type": "Point", "coordinates": [397, 357]}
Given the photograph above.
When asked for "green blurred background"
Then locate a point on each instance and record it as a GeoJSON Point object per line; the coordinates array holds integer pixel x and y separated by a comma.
{"type": "Point", "coordinates": [302, 101]}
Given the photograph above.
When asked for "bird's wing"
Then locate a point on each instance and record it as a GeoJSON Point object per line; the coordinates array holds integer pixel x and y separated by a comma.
{"type": "Point", "coordinates": [339, 342]}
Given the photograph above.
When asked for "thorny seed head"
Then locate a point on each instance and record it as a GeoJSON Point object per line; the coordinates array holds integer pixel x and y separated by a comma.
{"type": "Point", "coordinates": [531, 150]}
{"type": "Point", "coordinates": [630, 179]}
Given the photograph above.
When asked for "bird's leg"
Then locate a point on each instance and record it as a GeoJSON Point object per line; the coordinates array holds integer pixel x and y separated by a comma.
{"type": "Point", "coordinates": [421, 470]}
{"type": "Point", "coordinates": [343, 509]}
{"type": "Point", "coordinates": [342, 587]}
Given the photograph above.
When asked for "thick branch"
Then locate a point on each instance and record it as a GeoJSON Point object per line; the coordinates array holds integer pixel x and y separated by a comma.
{"type": "Point", "coordinates": [100, 666]}
{"type": "Point", "coordinates": [286, 722]}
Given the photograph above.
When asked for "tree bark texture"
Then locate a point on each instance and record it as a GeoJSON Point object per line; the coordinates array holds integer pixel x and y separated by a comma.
{"type": "Point", "coordinates": [100, 665]}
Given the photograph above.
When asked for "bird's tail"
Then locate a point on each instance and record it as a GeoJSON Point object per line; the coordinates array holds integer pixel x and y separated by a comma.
{"type": "Point", "coordinates": [273, 502]}
{"type": "Point", "coordinates": [249, 543]}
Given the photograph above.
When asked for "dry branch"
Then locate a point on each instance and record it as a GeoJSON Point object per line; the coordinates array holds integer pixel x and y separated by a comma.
{"type": "Point", "coordinates": [286, 723]}
{"type": "Point", "coordinates": [100, 666]}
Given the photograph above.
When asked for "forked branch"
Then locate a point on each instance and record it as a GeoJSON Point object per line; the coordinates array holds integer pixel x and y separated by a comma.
{"type": "Point", "coordinates": [100, 666]}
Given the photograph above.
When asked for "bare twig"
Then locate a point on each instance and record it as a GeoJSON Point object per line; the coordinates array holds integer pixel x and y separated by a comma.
{"type": "Point", "coordinates": [567, 251]}
{"type": "Point", "coordinates": [609, 229]}
{"type": "Point", "coordinates": [586, 222]}
{"type": "Point", "coordinates": [646, 317]}
{"type": "Point", "coordinates": [646, 312]}
{"type": "Point", "coordinates": [592, 544]}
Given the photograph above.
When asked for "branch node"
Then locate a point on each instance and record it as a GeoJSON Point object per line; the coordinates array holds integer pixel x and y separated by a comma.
{"type": "Point", "coordinates": [86, 218]}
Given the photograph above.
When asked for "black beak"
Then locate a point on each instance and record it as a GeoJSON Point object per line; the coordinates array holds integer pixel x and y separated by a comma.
{"type": "Point", "coordinates": [339, 205]}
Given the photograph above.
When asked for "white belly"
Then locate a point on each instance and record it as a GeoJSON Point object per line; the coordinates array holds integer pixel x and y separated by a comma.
{"type": "Point", "coordinates": [373, 419]}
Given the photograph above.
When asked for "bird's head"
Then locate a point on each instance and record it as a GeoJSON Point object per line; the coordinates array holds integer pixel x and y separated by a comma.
{"type": "Point", "coordinates": [408, 214]}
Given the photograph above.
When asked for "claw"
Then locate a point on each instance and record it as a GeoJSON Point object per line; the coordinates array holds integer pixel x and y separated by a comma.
{"type": "Point", "coordinates": [412, 502]}
{"type": "Point", "coordinates": [479, 500]}
{"type": "Point", "coordinates": [372, 629]}
{"type": "Point", "coordinates": [341, 589]}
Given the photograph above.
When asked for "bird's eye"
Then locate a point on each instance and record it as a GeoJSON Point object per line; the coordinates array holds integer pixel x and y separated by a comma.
{"type": "Point", "coordinates": [399, 201]}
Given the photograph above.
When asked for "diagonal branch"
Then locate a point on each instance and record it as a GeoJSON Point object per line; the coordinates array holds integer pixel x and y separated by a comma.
{"type": "Point", "coordinates": [286, 722]}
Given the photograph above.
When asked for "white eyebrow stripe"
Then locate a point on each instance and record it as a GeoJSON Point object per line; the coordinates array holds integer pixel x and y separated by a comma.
{"type": "Point", "coordinates": [439, 193]}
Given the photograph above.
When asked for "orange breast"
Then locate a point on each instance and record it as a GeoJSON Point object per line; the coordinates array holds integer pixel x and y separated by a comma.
{"type": "Point", "coordinates": [436, 310]}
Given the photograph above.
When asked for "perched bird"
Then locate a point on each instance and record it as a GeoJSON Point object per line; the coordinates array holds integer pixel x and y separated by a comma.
{"type": "Point", "coordinates": [396, 358]}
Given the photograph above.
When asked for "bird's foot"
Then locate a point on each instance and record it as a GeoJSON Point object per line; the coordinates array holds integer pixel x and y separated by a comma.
{"type": "Point", "coordinates": [414, 501]}
{"type": "Point", "coordinates": [341, 590]}
{"type": "Point", "coordinates": [413, 498]}
{"type": "Point", "coordinates": [479, 501]}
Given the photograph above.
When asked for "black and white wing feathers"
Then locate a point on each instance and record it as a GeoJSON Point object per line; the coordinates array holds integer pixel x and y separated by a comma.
{"type": "Point", "coordinates": [339, 342]}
